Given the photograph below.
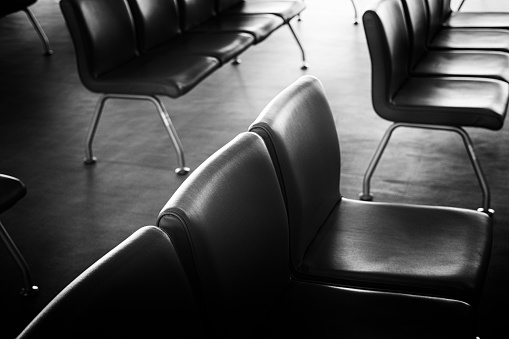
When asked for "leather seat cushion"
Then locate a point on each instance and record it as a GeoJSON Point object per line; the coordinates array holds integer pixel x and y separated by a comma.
{"type": "Point", "coordinates": [480, 39]}
{"type": "Point", "coordinates": [425, 250]}
{"type": "Point", "coordinates": [285, 9]}
{"type": "Point", "coordinates": [169, 74]}
{"type": "Point", "coordinates": [478, 20]}
{"type": "Point", "coordinates": [260, 26]}
{"type": "Point", "coordinates": [451, 101]}
{"type": "Point", "coordinates": [11, 191]}
{"type": "Point", "coordinates": [223, 46]}
{"type": "Point", "coordinates": [486, 64]}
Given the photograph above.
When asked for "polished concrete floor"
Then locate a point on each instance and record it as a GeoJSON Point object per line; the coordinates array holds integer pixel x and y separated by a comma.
{"type": "Point", "coordinates": [73, 214]}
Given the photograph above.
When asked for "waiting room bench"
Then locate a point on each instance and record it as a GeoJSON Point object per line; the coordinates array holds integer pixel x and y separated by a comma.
{"type": "Point", "coordinates": [144, 49]}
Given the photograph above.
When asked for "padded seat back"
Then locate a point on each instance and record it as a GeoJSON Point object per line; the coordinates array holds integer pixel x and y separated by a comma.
{"type": "Point", "coordinates": [103, 35]}
{"type": "Point", "coordinates": [11, 6]}
{"type": "Point", "coordinates": [228, 223]}
{"type": "Point", "coordinates": [299, 130]}
{"type": "Point", "coordinates": [137, 290]}
{"type": "Point", "coordinates": [417, 19]}
{"type": "Point", "coordinates": [389, 48]}
{"type": "Point", "coordinates": [195, 12]}
{"type": "Point", "coordinates": [156, 21]}
{"type": "Point", "coordinates": [222, 5]}
{"type": "Point", "coordinates": [435, 10]}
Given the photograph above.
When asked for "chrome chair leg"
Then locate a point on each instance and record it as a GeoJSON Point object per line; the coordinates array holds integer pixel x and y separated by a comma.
{"type": "Point", "coordinates": [355, 22]}
{"type": "Point", "coordinates": [163, 113]}
{"type": "Point", "coordinates": [236, 61]}
{"type": "Point", "coordinates": [366, 195]}
{"type": "Point", "coordinates": [40, 32]}
{"type": "Point", "coordinates": [30, 288]}
{"type": "Point", "coordinates": [305, 65]}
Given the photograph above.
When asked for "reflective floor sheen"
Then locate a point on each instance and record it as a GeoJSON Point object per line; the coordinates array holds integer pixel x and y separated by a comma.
{"type": "Point", "coordinates": [73, 214]}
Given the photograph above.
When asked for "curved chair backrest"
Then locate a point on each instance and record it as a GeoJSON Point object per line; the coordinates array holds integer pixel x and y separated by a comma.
{"type": "Point", "coordinates": [418, 21]}
{"type": "Point", "coordinates": [435, 10]}
{"type": "Point", "coordinates": [228, 223]}
{"type": "Point", "coordinates": [195, 12]}
{"type": "Point", "coordinates": [300, 133]}
{"type": "Point", "coordinates": [11, 6]}
{"type": "Point", "coordinates": [103, 35]}
{"type": "Point", "coordinates": [137, 290]}
{"type": "Point", "coordinates": [156, 21]}
{"type": "Point", "coordinates": [389, 48]}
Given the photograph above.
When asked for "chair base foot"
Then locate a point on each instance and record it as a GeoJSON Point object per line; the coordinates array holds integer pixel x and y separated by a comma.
{"type": "Point", "coordinates": [90, 161]}
{"type": "Point", "coordinates": [48, 52]}
{"type": "Point", "coordinates": [304, 66]}
{"type": "Point", "coordinates": [182, 170]}
{"type": "Point", "coordinates": [236, 62]}
{"type": "Point", "coordinates": [490, 212]}
{"type": "Point", "coordinates": [29, 292]}
{"type": "Point", "coordinates": [365, 197]}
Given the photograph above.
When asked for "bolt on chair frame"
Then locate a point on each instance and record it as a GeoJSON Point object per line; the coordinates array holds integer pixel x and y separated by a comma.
{"type": "Point", "coordinates": [29, 289]}
{"type": "Point", "coordinates": [40, 31]}
{"type": "Point", "coordinates": [366, 195]}
{"type": "Point", "coordinates": [163, 113]}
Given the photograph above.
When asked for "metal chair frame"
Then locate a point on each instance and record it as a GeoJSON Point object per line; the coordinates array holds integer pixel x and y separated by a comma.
{"type": "Point", "coordinates": [40, 31]}
{"type": "Point", "coordinates": [163, 113]}
{"type": "Point", "coordinates": [366, 195]}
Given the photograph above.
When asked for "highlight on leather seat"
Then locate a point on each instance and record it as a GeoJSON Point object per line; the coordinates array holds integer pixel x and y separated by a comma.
{"type": "Point", "coordinates": [413, 251]}
{"type": "Point", "coordinates": [430, 102]}
{"type": "Point", "coordinates": [462, 19]}
{"type": "Point", "coordinates": [109, 63]}
{"type": "Point", "coordinates": [11, 191]}
{"type": "Point", "coordinates": [425, 61]}
{"type": "Point", "coordinates": [441, 37]}
{"type": "Point", "coordinates": [137, 290]}
{"type": "Point", "coordinates": [12, 6]}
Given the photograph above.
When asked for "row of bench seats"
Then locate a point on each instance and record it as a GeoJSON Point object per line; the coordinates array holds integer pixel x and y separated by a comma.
{"type": "Point", "coordinates": [418, 83]}
{"type": "Point", "coordinates": [259, 242]}
{"type": "Point", "coordinates": [142, 49]}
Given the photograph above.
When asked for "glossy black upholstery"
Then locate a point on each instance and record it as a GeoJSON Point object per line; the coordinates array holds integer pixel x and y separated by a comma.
{"type": "Point", "coordinates": [441, 37]}
{"type": "Point", "coordinates": [137, 290]}
{"type": "Point", "coordinates": [11, 191]}
{"type": "Point", "coordinates": [457, 19]}
{"type": "Point", "coordinates": [11, 6]}
{"type": "Point", "coordinates": [479, 63]}
{"type": "Point", "coordinates": [433, 102]}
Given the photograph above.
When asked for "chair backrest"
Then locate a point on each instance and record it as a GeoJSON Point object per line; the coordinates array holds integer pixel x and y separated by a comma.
{"type": "Point", "coordinates": [195, 12]}
{"type": "Point", "coordinates": [228, 223]}
{"type": "Point", "coordinates": [103, 35]}
{"type": "Point", "coordinates": [222, 5]}
{"type": "Point", "coordinates": [137, 290]}
{"type": "Point", "coordinates": [446, 9]}
{"type": "Point", "coordinates": [418, 21]}
{"type": "Point", "coordinates": [156, 22]}
{"type": "Point", "coordinates": [436, 16]}
{"type": "Point", "coordinates": [300, 133]}
{"type": "Point", "coordinates": [389, 48]}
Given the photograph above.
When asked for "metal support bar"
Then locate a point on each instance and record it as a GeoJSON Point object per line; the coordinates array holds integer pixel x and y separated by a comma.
{"type": "Point", "coordinates": [305, 65]}
{"type": "Point", "coordinates": [163, 113]}
{"type": "Point", "coordinates": [366, 195]}
{"type": "Point", "coordinates": [30, 288]}
{"type": "Point", "coordinates": [460, 5]}
{"type": "Point", "coordinates": [40, 32]}
{"type": "Point", "coordinates": [355, 21]}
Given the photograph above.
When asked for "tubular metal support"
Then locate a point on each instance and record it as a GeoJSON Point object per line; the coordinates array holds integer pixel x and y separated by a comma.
{"type": "Point", "coordinates": [29, 288]}
{"type": "Point", "coordinates": [163, 113]}
{"type": "Point", "coordinates": [305, 65]}
{"type": "Point", "coordinates": [355, 21]}
{"type": "Point", "coordinates": [40, 32]}
{"type": "Point", "coordinates": [365, 195]}
{"type": "Point", "coordinates": [460, 5]}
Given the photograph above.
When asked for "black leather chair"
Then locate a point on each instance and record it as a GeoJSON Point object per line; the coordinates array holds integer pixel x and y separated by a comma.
{"type": "Point", "coordinates": [459, 19]}
{"type": "Point", "coordinates": [137, 290]}
{"type": "Point", "coordinates": [441, 253]}
{"type": "Point", "coordinates": [12, 190]}
{"type": "Point", "coordinates": [429, 102]}
{"type": "Point", "coordinates": [477, 63]}
{"type": "Point", "coordinates": [159, 31]}
{"type": "Point", "coordinates": [12, 6]}
{"type": "Point", "coordinates": [441, 37]}
{"type": "Point", "coordinates": [109, 62]}
{"type": "Point", "coordinates": [286, 10]}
